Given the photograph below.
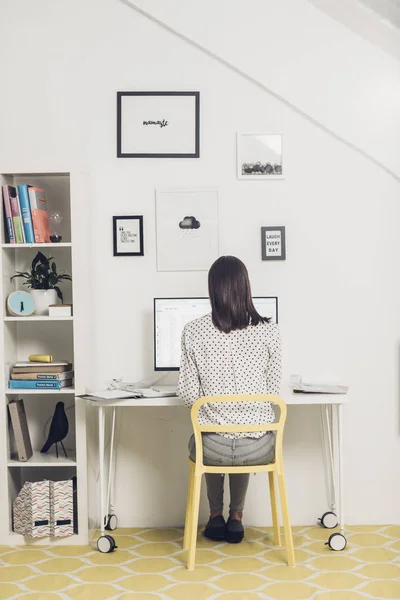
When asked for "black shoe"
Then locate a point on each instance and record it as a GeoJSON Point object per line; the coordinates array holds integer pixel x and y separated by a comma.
{"type": "Point", "coordinates": [234, 531]}
{"type": "Point", "coordinates": [215, 529]}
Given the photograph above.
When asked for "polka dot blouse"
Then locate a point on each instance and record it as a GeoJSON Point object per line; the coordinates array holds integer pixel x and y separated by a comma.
{"type": "Point", "coordinates": [244, 361]}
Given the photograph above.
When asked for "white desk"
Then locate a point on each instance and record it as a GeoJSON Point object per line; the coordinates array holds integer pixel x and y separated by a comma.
{"type": "Point", "coordinates": [332, 435]}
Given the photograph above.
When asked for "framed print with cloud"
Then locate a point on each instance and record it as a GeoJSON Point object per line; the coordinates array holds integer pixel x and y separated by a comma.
{"type": "Point", "coordinates": [187, 229]}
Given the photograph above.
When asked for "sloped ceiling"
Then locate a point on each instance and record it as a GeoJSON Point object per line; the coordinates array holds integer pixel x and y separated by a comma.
{"type": "Point", "coordinates": [320, 69]}
{"type": "Point", "coordinates": [377, 21]}
{"type": "Point", "coordinates": [387, 9]}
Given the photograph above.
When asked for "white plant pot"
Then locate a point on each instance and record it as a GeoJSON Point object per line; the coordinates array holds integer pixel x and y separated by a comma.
{"type": "Point", "coordinates": [42, 300]}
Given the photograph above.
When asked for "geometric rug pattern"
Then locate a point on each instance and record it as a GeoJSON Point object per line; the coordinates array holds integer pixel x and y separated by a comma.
{"type": "Point", "coordinates": [149, 564]}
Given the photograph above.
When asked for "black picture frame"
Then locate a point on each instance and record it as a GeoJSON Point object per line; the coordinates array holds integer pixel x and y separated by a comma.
{"type": "Point", "coordinates": [196, 133]}
{"type": "Point", "coordinates": [120, 218]}
{"type": "Point", "coordinates": [274, 241]}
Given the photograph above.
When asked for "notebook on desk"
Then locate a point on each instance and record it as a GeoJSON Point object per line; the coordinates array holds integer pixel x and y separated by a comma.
{"type": "Point", "coordinates": [155, 391]}
{"type": "Point", "coordinates": [314, 388]}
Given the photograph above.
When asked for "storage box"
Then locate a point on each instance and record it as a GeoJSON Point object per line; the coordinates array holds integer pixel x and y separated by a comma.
{"type": "Point", "coordinates": [61, 508]}
{"type": "Point", "coordinates": [60, 310]}
{"type": "Point", "coordinates": [31, 510]}
{"type": "Point", "coordinates": [44, 508]}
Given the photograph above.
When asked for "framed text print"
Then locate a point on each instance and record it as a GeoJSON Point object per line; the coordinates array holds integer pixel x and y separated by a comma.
{"type": "Point", "coordinates": [273, 243]}
{"type": "Point", "coordinates": [259, 156]}
{"type": "Point", "coordinates": [128, 236]}
{"type": "Point", "coordinates": [158, 124]}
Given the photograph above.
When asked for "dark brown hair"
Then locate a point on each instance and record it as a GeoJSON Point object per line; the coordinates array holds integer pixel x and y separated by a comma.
{"type": "Point", "coordinates": [230, 295]}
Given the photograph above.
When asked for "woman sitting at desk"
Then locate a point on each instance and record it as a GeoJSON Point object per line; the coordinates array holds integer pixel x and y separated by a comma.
{"type": "Point", "coordinates": [232, 350]}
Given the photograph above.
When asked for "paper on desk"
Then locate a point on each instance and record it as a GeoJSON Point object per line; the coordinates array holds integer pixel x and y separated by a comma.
{"type": "Point", "coordinates": [315, 388]}
{"type": "Point", "coordinates": [110, 395]}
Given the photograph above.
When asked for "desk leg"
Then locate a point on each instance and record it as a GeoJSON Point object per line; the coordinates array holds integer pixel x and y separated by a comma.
{"type": "Point", "coordinates": [105, 543]}
{"type": "Point", "coordinates": [111, 518]}
{"type": "Point", "coordinates": [337, 541]}
{"type": "Point", "coordinates": [327, 458]}
{"type": "Point", "coordinates": [101, 468]}
{"type": "Point", "coordinates": [340, 460]}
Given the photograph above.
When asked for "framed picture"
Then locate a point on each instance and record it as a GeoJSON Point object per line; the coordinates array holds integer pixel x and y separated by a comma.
{"type": "Point", "coordinates": [128, 236]}
{"type": "Point", "coordinates": [259, 156]}
{"type": "Point", "coordinates": [187, 229]}
{"type": "Point", "coordinates": [273, 243]}
{"type": "Point", "coordinates": [158, 124]}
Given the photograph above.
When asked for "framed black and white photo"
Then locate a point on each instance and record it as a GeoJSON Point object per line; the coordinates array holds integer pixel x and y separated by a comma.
{"type": "Point", "coordinates": [158, 124]}
{"type": "Point", "coordinates": [128, 236]}
{"type": "Point", "coordinates": [187, 229]}
{"type": "Point", "coordinates": [259, 156]}
{"type": "Point", "coordinates": [273, 243]}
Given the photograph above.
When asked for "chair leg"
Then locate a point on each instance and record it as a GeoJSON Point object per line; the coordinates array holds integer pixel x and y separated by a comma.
{"type": "Point", "coordinates": [274, 508]}
{"type": "Point", "coordinates": [194, 521]}
{"type": "Point", "coordinates": [189, 503]}
{"type": "Point", "coordinates": [286, 521]}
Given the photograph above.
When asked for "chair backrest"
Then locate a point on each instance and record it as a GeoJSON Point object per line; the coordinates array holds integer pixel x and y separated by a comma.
{"type": "Point", "coordinates": [277, 426]}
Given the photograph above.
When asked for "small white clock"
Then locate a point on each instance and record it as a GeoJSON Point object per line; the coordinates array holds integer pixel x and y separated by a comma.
{"type": "Point", "coordinates": [20, 304]}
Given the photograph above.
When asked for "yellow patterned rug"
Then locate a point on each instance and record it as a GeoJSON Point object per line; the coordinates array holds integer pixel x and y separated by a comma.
{"type": "Point", "coordinates": [149, 564]}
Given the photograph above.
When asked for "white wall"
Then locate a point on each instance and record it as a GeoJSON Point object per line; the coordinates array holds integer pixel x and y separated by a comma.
{"type": "Point", "coordinates": [338, 289]}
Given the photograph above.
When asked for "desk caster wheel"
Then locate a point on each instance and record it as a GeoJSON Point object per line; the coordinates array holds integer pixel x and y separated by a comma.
{"type": "Point", "coordinates": [111, 523]}
{"type": "Point", "coordinates": [337, 542]}
{"type": "Point", "coordinates": [106, 544]}
{"type": "Point", "coordinates": [329, 520]}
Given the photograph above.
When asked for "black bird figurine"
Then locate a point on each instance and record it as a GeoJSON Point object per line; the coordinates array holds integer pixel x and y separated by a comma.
{"type": "Point", "coordinates": [58, 429]}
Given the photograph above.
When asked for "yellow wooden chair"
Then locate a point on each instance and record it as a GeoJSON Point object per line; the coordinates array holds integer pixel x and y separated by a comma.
{"type": "Point", "coordinates": [196, 470]}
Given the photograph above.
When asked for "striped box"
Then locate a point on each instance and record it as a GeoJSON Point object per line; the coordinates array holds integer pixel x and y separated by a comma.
{"type": "Point", "coordinates": [61, 508]}
{"type": "Point", "coordinates": [31, 510]}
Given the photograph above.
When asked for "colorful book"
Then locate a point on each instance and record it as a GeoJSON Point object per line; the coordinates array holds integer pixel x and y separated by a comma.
{"type": "Point", "coordinates": [20, 428]}
{"type": "Point", "coordinates": [40, 217]}
{"type": "Point", "coordinates": [20, 213]}
{"type": "Point", "coordinates": [32, 385]}
{"type": "Point", "coordinates": [8, 215]}
{"type": "Point", "coordinates": [16, 215]}
{"type": "Point", "coordinates": [41, 376]}
{"type": "Point", "coordinates": [26, 213]}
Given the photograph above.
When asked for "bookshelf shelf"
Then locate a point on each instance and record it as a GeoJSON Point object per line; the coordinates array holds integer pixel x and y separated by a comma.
{"type": "Point", "coordinates": [37, 318]}
{"type": "Point", "coordinates": [38, 246]}
{"type": "Point", "coordinates": [65, 338]}
{"type": "Point", "coordinates": [43, 460]}
{"type": "Point", "coordinates": [39, 391]}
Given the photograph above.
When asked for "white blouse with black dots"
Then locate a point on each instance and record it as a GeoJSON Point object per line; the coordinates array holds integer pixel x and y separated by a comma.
{"type": "Point", "coordinates": [244, 361]}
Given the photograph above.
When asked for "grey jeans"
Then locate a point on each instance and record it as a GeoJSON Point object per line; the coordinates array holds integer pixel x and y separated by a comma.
{"type": "Point", "coordinates": [219, 450]}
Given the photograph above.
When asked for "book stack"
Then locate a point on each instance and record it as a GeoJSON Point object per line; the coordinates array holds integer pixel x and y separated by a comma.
{"type": "Point", "coordinates": [26, 215]}
{"type": "Point", "coordinates": [39, 375]}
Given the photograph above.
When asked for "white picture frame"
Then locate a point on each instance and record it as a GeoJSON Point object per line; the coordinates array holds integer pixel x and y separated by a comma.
{"type": "Point", "coordinates": [259, 156]}
{"type": "Point", "coordinates": [158, 124]}
{"type": "Point", "coordinates": [186, 228]}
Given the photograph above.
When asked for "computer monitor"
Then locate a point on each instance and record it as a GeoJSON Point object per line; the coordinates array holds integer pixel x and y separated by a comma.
{"type": "Point", "coordinates": [172, 314]}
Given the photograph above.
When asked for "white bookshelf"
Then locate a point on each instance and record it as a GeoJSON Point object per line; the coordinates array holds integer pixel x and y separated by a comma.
{"type": "Point", "coordinates": [37, 318]}
{"type": "Point", "coordinates": [38, 246]}
{"type": "Point", "coordinates": [66, 338]}
{"type": "Point", "coordinates": [63, 391]}
{"type": "Point", "coordinates": [45, 460]}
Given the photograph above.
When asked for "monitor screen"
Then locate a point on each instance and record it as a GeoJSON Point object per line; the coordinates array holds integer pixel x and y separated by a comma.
{"type": "Point", "coordinates": [172, 314]}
